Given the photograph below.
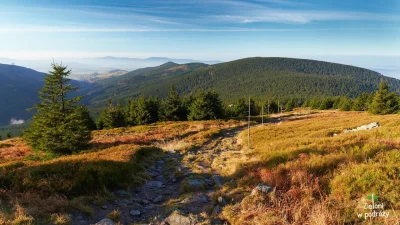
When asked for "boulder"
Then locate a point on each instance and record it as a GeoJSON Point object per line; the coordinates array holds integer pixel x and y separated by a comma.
{"type": "Point", "coordinates": [222, 201]}
{"type": "Point", "coordinates": [176, 218]}
{"type": "Point", "coordinates": [195, 185]}
{"type": "Point", "coordinates": [158, 199]}
{"type": "Point", "coordinates": [105, 222]}
{"type": "Point", "coordinates": [262, 188]}
{"type": "Point", "coordinates": [218, 180]}
{"type": "Point", "coordinates": [154, 184]}
{"type": "Point", "coordinates": [134, 212]}
{"type": "Point", "coordinates": [363, 127]}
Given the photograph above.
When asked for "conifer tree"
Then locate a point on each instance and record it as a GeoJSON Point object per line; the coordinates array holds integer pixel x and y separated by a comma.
{"type": "Point", "coordinates": [383, 101]}
{"type": "Point", "coordinates": [171, 107]}
{"type": "Point", "coordinates": [206, 106]}
{"type": "Point", "coordinates": [111, 117]}
{"type": "Point", "coordinates": [8, 135]}
{"type": "Point", "coordinates": [345, 104]}
{"type": "Point", "coordinates": [239, 108]}
{"type": "Point", "coordinates": [145, 111]}
{"type": "Point", "coordinates": [327, 103]}
{"type": "Point", "coordinates": [361, 102]}
{"type": "Point", "coordinates": [60, 124]}
{"type": "Point", "coordinates": [290, 104]}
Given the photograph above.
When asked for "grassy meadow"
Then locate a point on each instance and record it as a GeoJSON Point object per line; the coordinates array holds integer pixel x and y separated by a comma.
{"type": "Point", "coordinates": [320, 175]}
{"type": "Point", "coordinates": [42, 188]}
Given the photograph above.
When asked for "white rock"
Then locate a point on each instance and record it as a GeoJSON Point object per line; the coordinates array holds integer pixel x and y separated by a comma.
{"type": "Point", "coordinates": [105, 222]}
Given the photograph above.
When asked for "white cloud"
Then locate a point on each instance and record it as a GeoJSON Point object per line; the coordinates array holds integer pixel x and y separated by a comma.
{"type": "Point", "coordinates": [132, 30]}
{"type": "Point", "coordinates": [14, 121]}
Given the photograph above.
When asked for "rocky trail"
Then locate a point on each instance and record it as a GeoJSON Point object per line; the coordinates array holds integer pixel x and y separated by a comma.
{"type": "Point", "coordinates": [181, 190]}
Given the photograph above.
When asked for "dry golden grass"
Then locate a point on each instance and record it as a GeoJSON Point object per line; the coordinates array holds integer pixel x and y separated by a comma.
{"type": "Point", "coordinates": [13, 150]}
{"type": "Point", "coordinates": [18, 216]}
{"type": "Point", "coordinates": [42, 185]}
{"type": "Point", "coordinates": [163, 131]}
{"type": "Point", "coordinates": [320, 174]}
{"type": "Point", "coordinates": [115, 215]}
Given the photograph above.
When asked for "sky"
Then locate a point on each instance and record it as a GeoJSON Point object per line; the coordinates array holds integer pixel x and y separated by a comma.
{"type": "Point", "coordinates": [362, 32]}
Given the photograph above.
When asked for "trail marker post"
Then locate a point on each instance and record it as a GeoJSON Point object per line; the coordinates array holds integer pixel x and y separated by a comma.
{"type": "Point", "coordinates": [262, 115]}
{"type": "Point", "coordinates": [248, 131]}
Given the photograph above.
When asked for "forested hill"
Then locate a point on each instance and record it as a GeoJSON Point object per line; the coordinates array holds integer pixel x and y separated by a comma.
{"type": "Point", "coordinates": [130, 84]}
{"type": "Point", "coordinates": [259, 77]}
{"type": "Point", "coordinates": [18, 91]}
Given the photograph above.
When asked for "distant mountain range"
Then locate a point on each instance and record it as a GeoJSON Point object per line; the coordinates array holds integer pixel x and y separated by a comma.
{"type": "Point", "coordinates": [83, 69]}
{"type": "Point", "coordinates": [258, 77]}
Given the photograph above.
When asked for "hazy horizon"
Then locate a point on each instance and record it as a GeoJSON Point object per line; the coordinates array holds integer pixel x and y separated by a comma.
{"type": "Point", "coordinates": [359, 33]}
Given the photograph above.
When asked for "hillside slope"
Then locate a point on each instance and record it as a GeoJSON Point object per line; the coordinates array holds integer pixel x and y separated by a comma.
{"type": "Point", "coordinates": [18, 91]}
{"type": "Point", "coordinates": [259, 77]}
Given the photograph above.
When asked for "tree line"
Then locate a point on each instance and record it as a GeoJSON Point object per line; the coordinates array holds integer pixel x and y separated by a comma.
{"type": "Point", "coordinates": [62, 125]}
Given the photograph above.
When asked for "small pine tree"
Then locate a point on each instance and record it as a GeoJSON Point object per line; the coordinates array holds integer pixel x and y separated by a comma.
{"type": "Point", "coordinates": [290, 105]}
{"type": "Point", "coordinates": [361, 102]}
{"type": "Point", "coordinates": [345, 104]}
{"type": "Point", "coordinates": [171, 107]}
{"type": "Point", "coordinates": [111, 117]}
{"type": "Point", "coordinates": [8, 135]}
{"type": "Point", "coordinates": [327, 103]}
{"type": "Point", "coordinates": [206, 106]}
{"type": "Point", "coordinates": [315, 103]}
{"type": "Point", "coordinates": [59, 124]}
{"type": "Point", "coordinates": [383, 101]}
{"type": "Point", "coordinates": [239, 108]}
{"type": "Point", "coordinates": [273, 107]}
{"type": "Point", "coordinates": [336, 102]}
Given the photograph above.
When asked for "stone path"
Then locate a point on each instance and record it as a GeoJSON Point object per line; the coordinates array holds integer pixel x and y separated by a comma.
{"type": "Point", "coordinates": [191, 191]}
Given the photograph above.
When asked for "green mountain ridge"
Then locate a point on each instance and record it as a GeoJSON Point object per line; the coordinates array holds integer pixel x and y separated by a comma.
{"type": "Point", "coordinates": [258, 77]}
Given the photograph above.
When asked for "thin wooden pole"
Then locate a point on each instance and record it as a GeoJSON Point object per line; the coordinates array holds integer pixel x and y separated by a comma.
{"type": "Point", "coordinates": [248, 132]}
{"type": "Point", "coordinates": [262, 114]}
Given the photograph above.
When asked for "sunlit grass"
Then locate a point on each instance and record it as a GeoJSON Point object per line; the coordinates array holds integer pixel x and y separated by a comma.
{"type": "Point", "coordinates": [318, 170]}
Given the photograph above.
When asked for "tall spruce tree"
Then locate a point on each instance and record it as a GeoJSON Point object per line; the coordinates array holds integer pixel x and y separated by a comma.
{"type": "Point", "coordinates": [60, 124]}
{"type": "Point", "coordinates": [383, 101]}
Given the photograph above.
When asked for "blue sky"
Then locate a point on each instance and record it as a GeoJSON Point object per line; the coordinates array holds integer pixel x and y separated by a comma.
{"type": "Point", "coordinates": [201, 29]}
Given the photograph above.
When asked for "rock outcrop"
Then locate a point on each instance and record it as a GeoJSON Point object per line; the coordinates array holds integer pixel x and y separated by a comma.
{"type": "Point", "coordinates": [363, 127]}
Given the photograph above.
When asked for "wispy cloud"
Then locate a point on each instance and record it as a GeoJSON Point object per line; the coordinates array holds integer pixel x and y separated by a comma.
{"type": "Point", "coordinates": [133, 30]}
{"type": "Point", "coordinates": [202, 14]}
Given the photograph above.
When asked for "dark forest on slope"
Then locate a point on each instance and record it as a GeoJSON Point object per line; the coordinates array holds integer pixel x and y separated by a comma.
{"type": "Point", "coordinates": [258, 77]}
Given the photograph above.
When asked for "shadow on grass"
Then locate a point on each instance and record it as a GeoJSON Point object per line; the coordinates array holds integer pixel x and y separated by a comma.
{"type": "Point", "coordinates": [78, 176]}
